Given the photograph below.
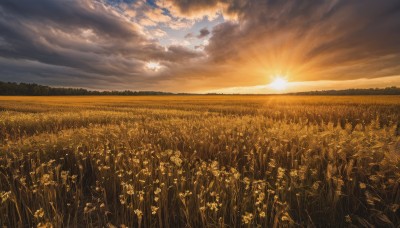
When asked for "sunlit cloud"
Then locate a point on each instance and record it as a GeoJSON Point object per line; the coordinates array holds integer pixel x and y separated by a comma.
{"type": "Point", "coordinates": [153, 66]}
{"type": "Point", "coordinates": [201, 45]}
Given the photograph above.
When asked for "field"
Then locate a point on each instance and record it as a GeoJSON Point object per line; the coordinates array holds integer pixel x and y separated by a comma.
{"type": "Point", "coordinates": [200, 161]}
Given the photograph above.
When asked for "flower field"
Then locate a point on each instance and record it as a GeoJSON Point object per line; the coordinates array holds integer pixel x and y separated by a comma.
{"type": "Point", "coordinates": [200, 161]}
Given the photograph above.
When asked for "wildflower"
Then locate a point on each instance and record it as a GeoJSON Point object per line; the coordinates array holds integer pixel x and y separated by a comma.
{"type": "Point", "coordinates": [286, 217]}
{"type": "Point", "coordinates": [45, 180]}
{"type": "Point", "coordinates": [247, 218]}
{"type": "Point", "coordinates": [214, 168]}
{"type": "Point", "coordinates": [293, 173]}
{"type": "Point", "coordinates": [213, 206]}
{"type": "Point", "coordinates": [162, 167]}
{"type": "Point", "coordinates": [236, 174]}
{"type": "Point", "coordinates": [262, 214]}
{"type": "Point", "coordinates": [281, 173]}
{"type": "Point", "coordinates": [89, 208]}
{"type": "Point", "coordinates": [129, 189]}
{"type": "Point", "coordinates": [154, 210]}
{"type": "Point", "coordinates": [157, 191]}
{"type": "Point", "coordinates": [176, 159]}
{"type": "Point", "coordinates": [23, 181]}
{"type": "Point", "coordinates": [185, 194]}
{"type": "Point", "coordinates": [73, 178]}
{"type": "Point", "coordinates": [362, 185]}
{"type": "Point", "coordinates": [260, 198]}
{"type": "Point", "coordinates": [39, 213]}
{"type": "Point", "coordinates": [141, 198]}
{"type": "Point", "coordinates": [138, 213]}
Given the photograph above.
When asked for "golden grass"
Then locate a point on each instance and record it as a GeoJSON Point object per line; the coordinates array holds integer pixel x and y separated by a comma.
{"type": "Point", "coordinates": [200, 161]}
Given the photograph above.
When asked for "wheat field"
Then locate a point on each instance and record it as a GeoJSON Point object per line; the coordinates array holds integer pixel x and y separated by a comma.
{"type": "Point", "coordinates": [200, 161]}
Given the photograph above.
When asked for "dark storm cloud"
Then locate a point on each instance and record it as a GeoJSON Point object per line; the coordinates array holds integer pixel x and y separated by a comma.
{"type": "Point", "coordinates": [180, 54]}
{"type": "Point", "coordinates": [203, 33]}
{"type": "Point", "coordinates": [85, 41]}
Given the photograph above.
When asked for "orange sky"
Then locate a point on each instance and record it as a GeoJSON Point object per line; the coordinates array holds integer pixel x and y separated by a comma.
{"type": "Point", "coordinates": [236, 46]}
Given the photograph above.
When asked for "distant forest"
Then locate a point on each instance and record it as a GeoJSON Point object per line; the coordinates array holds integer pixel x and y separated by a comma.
{"type": "Point", "coordinates": [28, 89]}
{"type": "Point", "coordinates": [373, 91]}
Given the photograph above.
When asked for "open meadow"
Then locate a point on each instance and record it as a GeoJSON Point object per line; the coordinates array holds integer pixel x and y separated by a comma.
{"type": "Point", "coordinates": [200, 161]}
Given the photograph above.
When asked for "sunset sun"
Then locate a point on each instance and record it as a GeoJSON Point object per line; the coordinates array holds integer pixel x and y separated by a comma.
{"type": "Point", "coordinates": [279, 84]}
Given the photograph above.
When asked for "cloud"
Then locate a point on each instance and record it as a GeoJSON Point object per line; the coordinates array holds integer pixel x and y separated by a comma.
{"type": "Point", "coordinates": [195, 9]}
{"type": "Point", "coordinates": [203, 33]}
{"type": "Point", "coordinates": [81, 40]}
{"type": "Point", "coordinates": [157, 33]}
{"type": "Point", "coordinates": [101, 45]}
{"type": "Point", "coordinates": [189, 35]}
{"type": "Point", "coordinates": [151, 16]}
{"type": "Point", "coordinates": [310, 40]}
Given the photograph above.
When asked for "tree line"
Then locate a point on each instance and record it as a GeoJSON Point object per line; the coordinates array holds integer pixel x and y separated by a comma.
{"type": "Point", "coordinates": [32, 89]}
{"type": "Point", "coordinates": [372, 91]}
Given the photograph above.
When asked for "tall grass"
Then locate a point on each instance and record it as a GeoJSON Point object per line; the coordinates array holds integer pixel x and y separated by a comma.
{"type": "Point", "coordinates": [223, 161]}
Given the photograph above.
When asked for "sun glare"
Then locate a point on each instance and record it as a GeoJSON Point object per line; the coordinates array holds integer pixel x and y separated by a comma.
{"type": "Point", "coordinates": [279, 84]}
{"type": "Point", "coordinates": [154, 66]}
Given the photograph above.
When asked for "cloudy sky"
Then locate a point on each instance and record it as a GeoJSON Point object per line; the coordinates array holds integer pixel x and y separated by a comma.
{"type": "Point", "coordinates": [201, 45]}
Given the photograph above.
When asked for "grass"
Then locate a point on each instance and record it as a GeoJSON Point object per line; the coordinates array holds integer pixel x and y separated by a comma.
{"type": "Point", "coordinates": [200, 161]}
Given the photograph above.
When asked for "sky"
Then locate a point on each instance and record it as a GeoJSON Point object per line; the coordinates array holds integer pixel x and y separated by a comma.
{"type": "Point", "coordinates": [201, 46]}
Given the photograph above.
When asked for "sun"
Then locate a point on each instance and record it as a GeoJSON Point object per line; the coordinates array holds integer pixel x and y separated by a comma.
{"type": "Point", "coordinates": [279, 83]}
